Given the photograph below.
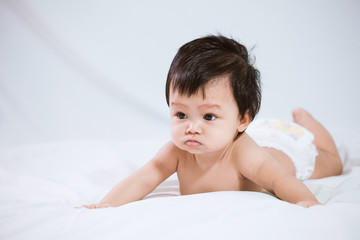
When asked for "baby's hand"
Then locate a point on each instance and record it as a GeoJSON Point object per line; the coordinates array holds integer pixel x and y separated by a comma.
{"type": "Point", "coordinates": [95, 205]}
{"type": "Point", "coordinates": [308, 203]}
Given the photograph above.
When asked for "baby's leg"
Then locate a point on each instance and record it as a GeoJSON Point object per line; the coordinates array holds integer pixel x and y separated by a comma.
{"type": "Point", "coordinates": [328, 162]}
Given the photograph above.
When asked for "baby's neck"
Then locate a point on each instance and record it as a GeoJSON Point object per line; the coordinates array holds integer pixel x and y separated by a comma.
{"type": "Point", "coordinates": [206, 160]}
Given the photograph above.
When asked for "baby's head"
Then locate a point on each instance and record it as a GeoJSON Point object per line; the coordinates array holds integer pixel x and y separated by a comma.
{"type": "Point", "coordinates": [202, 60]}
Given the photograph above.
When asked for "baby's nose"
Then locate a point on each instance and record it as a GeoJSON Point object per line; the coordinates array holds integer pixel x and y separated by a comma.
{"type": "Point", "coordinates": [194, 128]}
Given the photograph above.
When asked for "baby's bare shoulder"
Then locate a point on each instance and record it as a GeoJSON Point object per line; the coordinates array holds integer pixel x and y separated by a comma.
{"type": "Point", "coordinates": [247, 153]}
{"type": "Point", "coordinates": [245, 146]}
{"type": "Point", "coordinates": [170, 148]}
{"type": "Point", "coordinates": [169, 152]}
{"type": "Point", "coordinates": [167, 158]}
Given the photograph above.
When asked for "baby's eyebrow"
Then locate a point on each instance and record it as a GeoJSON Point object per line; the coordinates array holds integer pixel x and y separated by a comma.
{"type": "Point", "coordinates": [208, 105]}
{"type": "Point", "coordinates": [177, 104]}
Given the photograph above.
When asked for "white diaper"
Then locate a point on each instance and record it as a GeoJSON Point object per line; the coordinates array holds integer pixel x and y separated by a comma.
{"type": "Point", "coordinates": [290, 138]}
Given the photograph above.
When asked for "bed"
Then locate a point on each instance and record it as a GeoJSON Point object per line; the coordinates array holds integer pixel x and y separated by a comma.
{"type": "Point", "coordinates": [40, 186]}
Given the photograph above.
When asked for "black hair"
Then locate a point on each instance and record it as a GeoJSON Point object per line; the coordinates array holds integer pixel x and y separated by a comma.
{"type": "Point", "coordinates": [204, 59]}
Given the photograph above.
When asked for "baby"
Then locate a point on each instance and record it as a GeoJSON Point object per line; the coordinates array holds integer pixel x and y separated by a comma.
{"type": "Point", "coordinates": [213, 92]}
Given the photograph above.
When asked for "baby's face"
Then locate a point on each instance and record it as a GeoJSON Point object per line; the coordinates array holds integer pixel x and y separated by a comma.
{"type": "Point", "coordinates": [204, 125]}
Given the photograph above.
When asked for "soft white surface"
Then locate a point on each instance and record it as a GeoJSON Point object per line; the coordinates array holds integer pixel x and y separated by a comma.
{"type": "Point", "coordinates": [40, 185]}
{"type": "Point", "coordinates": [72, 70]}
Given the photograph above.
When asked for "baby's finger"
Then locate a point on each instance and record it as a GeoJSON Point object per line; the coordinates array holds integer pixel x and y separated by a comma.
{"type": "Point", "coordinates": [91, 206]}
{"type": "Point", "coordinates": [82, 206]}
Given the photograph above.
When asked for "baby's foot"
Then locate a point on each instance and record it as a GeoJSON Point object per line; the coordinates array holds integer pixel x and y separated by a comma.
{"type": "Point", "coordinates": [301, 116]}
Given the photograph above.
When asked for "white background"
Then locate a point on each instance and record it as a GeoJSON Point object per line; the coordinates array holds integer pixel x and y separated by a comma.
{"type": "Point", "coordinates": [96, 70]}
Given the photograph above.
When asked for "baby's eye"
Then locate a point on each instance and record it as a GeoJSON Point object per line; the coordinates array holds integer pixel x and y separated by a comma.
{"type": "Point", "coordinates": [209, 117]}
{"type": "Point", "coordinates": [181, 115]}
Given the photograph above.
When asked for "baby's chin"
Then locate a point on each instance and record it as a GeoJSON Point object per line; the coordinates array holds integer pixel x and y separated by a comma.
{"type": "Point", "coordinates": [189, 149]}
{"type": "Point", "coordinates": [202, 149]}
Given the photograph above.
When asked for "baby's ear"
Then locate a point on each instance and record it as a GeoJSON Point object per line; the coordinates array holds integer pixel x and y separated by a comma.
{"type": "Point", "coordinates": [244, 122]}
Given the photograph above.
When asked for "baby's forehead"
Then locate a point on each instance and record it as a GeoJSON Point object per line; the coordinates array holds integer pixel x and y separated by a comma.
{"type": "Point", "coordinates": [211, 87]}
{"type": "Point", "coordinates": [215, 91]}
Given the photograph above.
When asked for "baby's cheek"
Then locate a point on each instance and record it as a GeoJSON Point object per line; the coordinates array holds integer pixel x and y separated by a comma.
{"type": "Point", "coordinates": [226, 134]}
{"type": "Point", "coordinates": [175, 133]}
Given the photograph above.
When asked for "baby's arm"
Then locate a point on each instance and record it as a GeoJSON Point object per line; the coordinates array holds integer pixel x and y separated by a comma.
{"type": "Point", "coordinates": [260, 167]}
{"type": "Point", "coordinates": [286, 186]}
{"type": "Point", "coordinates": [143, 181]}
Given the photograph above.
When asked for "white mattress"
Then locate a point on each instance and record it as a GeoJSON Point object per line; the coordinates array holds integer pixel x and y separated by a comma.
{"type": "Point", "coordinates": [40, 186]}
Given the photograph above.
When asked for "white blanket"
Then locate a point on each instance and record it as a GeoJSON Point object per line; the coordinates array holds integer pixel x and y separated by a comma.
{"type": "Point", "coordinates": [41, 185]}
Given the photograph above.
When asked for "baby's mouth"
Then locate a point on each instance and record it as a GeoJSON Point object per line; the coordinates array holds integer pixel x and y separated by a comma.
{"type": "Point", "coordinates": [192, 143]}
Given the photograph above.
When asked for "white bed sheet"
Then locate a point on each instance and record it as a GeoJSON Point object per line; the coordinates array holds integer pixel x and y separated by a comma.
{"type": "Point", "coordinates": [41, 185]}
